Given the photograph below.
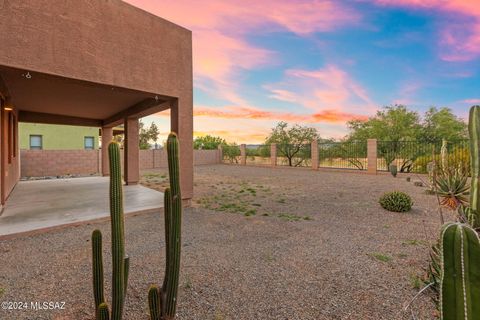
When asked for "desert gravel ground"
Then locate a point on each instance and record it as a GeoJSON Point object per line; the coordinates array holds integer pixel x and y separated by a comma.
{"type": "Point", "coordinates": [258, 243]}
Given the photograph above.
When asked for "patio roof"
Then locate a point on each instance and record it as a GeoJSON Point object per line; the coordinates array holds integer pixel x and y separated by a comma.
{"type": "Point", "coordinates": [93, 63]}
{"type": "Point", "coordinates": [43, 204]}
{"type": "Point", "coordinates": [46, 98]}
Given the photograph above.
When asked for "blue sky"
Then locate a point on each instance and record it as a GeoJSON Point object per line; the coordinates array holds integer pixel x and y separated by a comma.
{"type": "Point", "coordinates": [322, 63]}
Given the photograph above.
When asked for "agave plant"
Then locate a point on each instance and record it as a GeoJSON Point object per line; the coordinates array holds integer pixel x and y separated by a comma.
{"type": "Point", "coordinates": [452, 187]}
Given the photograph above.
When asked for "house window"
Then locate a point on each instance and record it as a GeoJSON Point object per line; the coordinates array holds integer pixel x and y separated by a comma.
{"type": "Point", "coordinates": [89, 143]}
{"type": "Point", "coordinates": [36, 142]}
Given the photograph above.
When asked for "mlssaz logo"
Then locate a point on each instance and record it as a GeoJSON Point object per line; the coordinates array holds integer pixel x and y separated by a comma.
{"type": "Point", "coordinates": [47, 305]}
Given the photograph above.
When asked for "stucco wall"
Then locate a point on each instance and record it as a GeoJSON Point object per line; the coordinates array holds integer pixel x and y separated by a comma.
{"type": "Point", "coordinates": [108, 42]}
{"type": "Point", "coordinates": [57, 137]}
{"type": "Point", "coordinates": [11, 169]}
{"type": "Point", "coordinates": [99, 41]}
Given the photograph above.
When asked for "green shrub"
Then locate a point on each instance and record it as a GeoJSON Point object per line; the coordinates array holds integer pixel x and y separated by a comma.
{"type": "Point", "coordinates": [396, 201]}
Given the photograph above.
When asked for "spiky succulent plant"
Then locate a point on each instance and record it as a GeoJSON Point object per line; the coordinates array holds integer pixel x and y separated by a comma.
{"type": "Point", "coordinates": [452, 187]}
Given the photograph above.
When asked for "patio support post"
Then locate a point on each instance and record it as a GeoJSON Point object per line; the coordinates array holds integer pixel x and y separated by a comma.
{"type": "Point", "coordinates": [107, 136]}
{"type": "Point", "coordinates": [131, 152]}
{"type": "Point", "coordinates": [314, 154]}
{"type": "Point", "coordinates": [273, 154]}
{"type": "Point", "coordinates": [372, 156]}
{"type": "Point", "coordinates": [243, 154]}
{"type": "Point", "coordinates": [181, 122]}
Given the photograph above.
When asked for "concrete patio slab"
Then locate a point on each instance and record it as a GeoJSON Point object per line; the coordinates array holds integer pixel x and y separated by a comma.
{"type": "Point", "coordinates": [44, 204]}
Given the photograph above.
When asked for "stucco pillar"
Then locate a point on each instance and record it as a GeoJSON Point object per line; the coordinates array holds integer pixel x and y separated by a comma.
{"type": "Point", "coordinates": [181, 122]}
{"type": "Point", "coordinates": [273, 154]}
{"type": "Point", "coordinates": [131, 167]}
{"type": "Point", "coordinates": [372, 156]}
{"type": "Point", "coordinates": [2, 157]}
{"type": "Point", "coordinates": [107, 136]}
{"type": "Point", "coordinates": [243, 154]}
{"type": "Point", "coordinates": [220, 154]}
{"type": "Point", "coordinates": [314, 154]}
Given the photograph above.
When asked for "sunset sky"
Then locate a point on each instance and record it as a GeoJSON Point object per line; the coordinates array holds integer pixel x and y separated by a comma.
{"type": "Point", "coordinates": [322, 63]}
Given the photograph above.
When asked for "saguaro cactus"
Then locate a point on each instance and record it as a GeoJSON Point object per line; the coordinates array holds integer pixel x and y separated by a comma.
{"type": "Point", "coordinates": [120, 262]}
{"type": "Point", "coordinates": [444, 154]}
{"type": "Point", "coordinates": [460, 276]}
{"type": "Point", "coordinates": [474, 131]}
{"type": "Point", "coordinates": [163, 301]}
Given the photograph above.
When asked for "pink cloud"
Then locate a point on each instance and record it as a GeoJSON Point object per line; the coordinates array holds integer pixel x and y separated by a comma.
{"type": "Point", "coordinates": [471, 101]}
{"type": "Point", "coordinates": [459, 38]}
{"type": "Point", "coordinates": [220, 28]}
{"type": "Point", "coordinates": [329, 88]}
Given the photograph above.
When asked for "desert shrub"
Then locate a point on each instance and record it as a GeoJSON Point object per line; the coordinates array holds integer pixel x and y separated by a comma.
{"type": "Point", "coordinates": [457, 158]}
{"type": "Point", "coordinates": [231, 152]}
{"type": "Point", "coordinates": [396, 201]}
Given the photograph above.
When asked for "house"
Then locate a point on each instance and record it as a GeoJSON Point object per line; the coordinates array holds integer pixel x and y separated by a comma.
{"type": "Point", "coordinates": [39, 136]}
{"type": "Point", "coordinates": [96, 64]}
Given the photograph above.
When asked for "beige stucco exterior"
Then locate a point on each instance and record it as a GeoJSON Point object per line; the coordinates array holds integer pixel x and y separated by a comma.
{"type": "Point", "coordinates": [95, 63]}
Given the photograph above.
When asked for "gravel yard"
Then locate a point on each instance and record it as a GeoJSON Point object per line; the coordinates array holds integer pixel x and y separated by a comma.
{"type": "Point", "coordinates": [258, 243]}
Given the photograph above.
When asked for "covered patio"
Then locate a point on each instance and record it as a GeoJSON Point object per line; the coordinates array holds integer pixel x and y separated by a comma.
{"type": "Point", "coordinates": [97, 64]}
{"type": "Point", "coordinates": [38, 205]}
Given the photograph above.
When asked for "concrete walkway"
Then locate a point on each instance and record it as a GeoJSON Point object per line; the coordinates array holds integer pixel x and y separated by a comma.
{"type": "Point", "coordinates": [43, 204]}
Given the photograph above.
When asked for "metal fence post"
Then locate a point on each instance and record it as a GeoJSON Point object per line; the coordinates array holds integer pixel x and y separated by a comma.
{"type": "Point", "coordinates": [314, 154]}
{"type": "Point", "coordinates": [243, 154]}
{"type": "Point", "coordinates": [372, 156]}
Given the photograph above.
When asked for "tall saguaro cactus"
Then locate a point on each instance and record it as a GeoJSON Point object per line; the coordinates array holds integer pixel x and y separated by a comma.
{"type": "Point", "coordinates": [460, 277]}
{"type": "Point", "coordinates": [120, 261]}
{"type": "Point", "coordinates": [474, 131]}
{"type": "Point", "coordinates": [163, 301]}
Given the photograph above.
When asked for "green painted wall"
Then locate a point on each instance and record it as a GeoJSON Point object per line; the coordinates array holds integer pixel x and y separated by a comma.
{"type": "Point", "coordinates": [57, 137]}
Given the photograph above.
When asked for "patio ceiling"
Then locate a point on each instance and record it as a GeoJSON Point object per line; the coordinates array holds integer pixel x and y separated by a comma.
{"type": "Point", "coordinates": [45, 98]}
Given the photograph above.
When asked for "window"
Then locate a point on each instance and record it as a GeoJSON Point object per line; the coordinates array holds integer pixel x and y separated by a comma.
{"type": "Point", "coordinates": [36, 142]}
{"type": "Point", "coordinates": [89, 143]}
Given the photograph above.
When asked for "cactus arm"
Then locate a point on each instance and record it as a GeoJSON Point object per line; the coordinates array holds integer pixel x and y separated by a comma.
{"type": "Point", "coordinates": [126, 263]}
{"type": "Point", "coordinates": [168, 220]}
{"type": "Point", "coordinates": [97, 261]}
{"type": "Point", "coordinates": [460, 279]}
{"type": "Point", "coordinates": [118, 236]}
{"type": "Point", "coordinates": [154, 303]}
{"type": "Point", "coordinates": [102, 312]}
{"type": "Point", "coordinates": [175, 227]}
{"type": "Point", "coordinates": [474, 132]}
{"type": "Point", "coordinates": [168, 251]}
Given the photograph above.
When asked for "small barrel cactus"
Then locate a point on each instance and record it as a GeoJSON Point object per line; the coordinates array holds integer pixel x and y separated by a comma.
{"type": "Point", "coordinates": [460, 274]}
{"type": "Point", "coordinates": [393, 169]}
{"type": "Point", "coordinates": [396, 201]}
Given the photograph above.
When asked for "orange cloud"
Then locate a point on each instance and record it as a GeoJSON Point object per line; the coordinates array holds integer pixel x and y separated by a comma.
{"type": "Point", "coordinates": [459, 38]}
{"type": "Point", "coordinates": [329, 116]}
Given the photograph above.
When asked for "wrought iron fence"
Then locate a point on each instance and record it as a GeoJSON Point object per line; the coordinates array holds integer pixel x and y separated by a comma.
{"type": "Point", "coordinates": [415, 156]}
{"type": "Point", "coordinates": [343, 155]}
{"type": "Point", "coordinates": [258, 154]}
{"type": "Point", "coordinates": [294, 155]}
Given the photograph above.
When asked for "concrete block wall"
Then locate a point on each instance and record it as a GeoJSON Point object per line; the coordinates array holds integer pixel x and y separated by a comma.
{"type": "Point", "coordinates": [41, 163]}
